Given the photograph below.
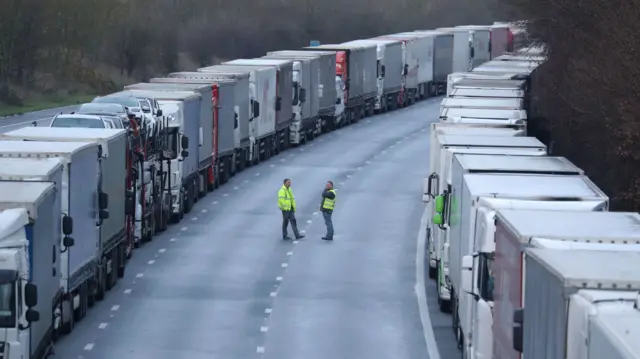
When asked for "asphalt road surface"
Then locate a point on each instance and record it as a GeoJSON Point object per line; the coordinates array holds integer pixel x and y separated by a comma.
{"type": "Point", "coordinates": [223, 284]}
{"type": "Point", "coordinates": [43, 118]}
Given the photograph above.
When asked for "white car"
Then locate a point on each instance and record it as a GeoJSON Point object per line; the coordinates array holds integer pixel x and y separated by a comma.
{"type": "Point", "coordinates": [84, 121]}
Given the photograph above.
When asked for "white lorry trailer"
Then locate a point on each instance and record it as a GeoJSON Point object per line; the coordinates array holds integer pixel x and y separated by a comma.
{"type": "Point", "coordinates": [80, 279]}
{"type": "Point", "coordinates": [471, 46]}
{"type": "Point", "coordinates": [262, 80]}
{"type": "Point", "coordinates": [389, 83]}
{"type": "Point", "coordinates": [481, 103]}
{"type": "Point", "coordinates": [306, 122]}
{"type": "Point", "coordinates": [516, 230]}
{"type": "Point", "coordinates": [440, 183]}
{"type": "Point", "coordinates": [487, 85]}
{"type": "Point", "coordinates": [442, 59]}
{"type": "Point", "coordinates": [565, 285]}
{"type": "Point", "coordinates": [477, 197]}
{"type": "Point", "coordinates": [426, 45]}
{"type": "Point", "coordinates": [327, 81]}
{"type": "Point", "coordinates": [29, 232]}
{"type": "Point", "coordinates": [244, 108]}
{"type": "Point", "coordinates": [111, 256]}
{"type": "Point", "coordinates": [284, 96]}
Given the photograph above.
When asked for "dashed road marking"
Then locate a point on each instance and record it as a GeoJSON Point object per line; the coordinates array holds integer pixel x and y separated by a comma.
{"type": "Point", "coordinates": [383, 152]}
{"type": "Point", "coordinates": [367, 162]}
{"type": "Point", "coordinates": [204, 211]}
{"type": "Point", "coordinates": [272, 165]}
{"type": "Point", "coordinates": [295, 242]}
{"type": "Point", "coordinates": [279, 279]}
{"type": "Point", "coordinates": [183, 229]}
{"type": "Point", "coordinates": [139, 275]}
{"type": "Point", "coordinates": [348, 176]}
{"type": "Point", "coordinates": [268, 311]}
{"type": "Point", "coordinates": [102, 325]}
{"type": "Point", "coordinates": [258, 174]}
{"type": "Point", "coordinates": [309, 221]}
{"type": "Point", "coordinates": [115, 308]}
{"type": "Point", "coordinates": [89, 347]}
{"type": "Point", "coordinates": [264, 329]}
{"type": "Point", "coordinates": [214, 202]}
{"type": "Point", "coordinates": [194, 218]}
{"type": "Point", "coordinates": [285, 265]}
{"type": "Point", "coordinates": [246, 181]}
{"type": "Point", "coordinates": [274, 294]}
{"type": "Point", "coordinates": [289, 253]}
{"type": "Point", "coordinates": [151, 262]}
{"type": "Point", "coordinates": [161, 250]}
{"type": "Point", "coordinates": [359, 168]}
{"type": "Point", "coordinates": [225, 194]}
{"type": "Point", "coordinates": [127, 291]}
{"type": "Point", "coordinates": [235, 188]}
{"type": "Point", "coordinates": [172, 240]}
{"type": "Point", "coordinates": [260, 350]}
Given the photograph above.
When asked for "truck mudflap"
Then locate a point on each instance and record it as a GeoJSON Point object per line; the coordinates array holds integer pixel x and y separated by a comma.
{"type": "Point", "coordinates": [206, 176]}
{"type": "Point", "coordinates": [226, 165]}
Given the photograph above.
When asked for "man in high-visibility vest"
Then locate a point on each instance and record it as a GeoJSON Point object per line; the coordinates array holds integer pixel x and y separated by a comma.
{"type": "Point", "coordinates": [287, 204]}
{"type": "Point", "coordinates": [326, 206]}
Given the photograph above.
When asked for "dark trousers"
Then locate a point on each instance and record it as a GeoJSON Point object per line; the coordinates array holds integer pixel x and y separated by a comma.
{"type": "Point", "coordinates": [328, 222]}
{"type": "Point", "coordinates": [289, 216]}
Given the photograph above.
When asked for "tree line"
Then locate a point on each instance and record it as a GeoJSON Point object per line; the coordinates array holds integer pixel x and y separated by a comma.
{"type": "Point", "coordinates": [97, 45]}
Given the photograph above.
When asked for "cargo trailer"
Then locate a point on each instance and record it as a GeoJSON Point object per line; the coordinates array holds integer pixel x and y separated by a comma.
{"type": "Point", "coordinates": [411, 61]}
{"type": "Point", "coordinates": [426, 42]}
{"type": "Point", "coordinates": [519, 229]}
{"type": "Point", "coordinates": [499, 39]}
{"type": "Point", "coordinates": [471, 46]}
{"type": "Point", "coordinates": [484, 103]}
{"type": "Point", "coordinates": [326, 81]}
{"type": "Point", "coordinates": [306, 123]}
{"type": "Point", "coordinates": [262, 89]}
{"type": "Point", "coordinates": [356, 65]}
{"type": "Point", "coordinates": [442, 59]}
{"type": "Point", "coordinates": [554, 278]}
{"type": "Point", "coordinates": [244, 108]}
{"type": "Point", "coordinates": [389, 72]}
{"type": "Point", "coordinates": [80, 278]}
{"type": "Point", "coordinates": [30, 219]}
{"type": "Point", "coordinates": [284, 96]}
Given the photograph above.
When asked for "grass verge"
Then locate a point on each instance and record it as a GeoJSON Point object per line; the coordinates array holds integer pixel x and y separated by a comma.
{"type": "Point", "coordinates": [43, 104]}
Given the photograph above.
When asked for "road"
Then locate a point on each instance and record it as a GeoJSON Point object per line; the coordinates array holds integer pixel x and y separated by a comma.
{"type": "Point", "coordinates": [43, 118]}
{"type": "Point", "coordinates": [223, 284]}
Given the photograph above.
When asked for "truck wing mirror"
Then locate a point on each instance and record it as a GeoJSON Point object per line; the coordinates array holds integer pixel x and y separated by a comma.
{"type": "Point", "coordinates": [338, 101]}
{"type": "Point", "coordinates": [406, 70]}
{"type": "Point", "coordinates": [278, 103]}
{"type": "Point", "coordinates": [518, 329]}
{"type": "Point", "coordinates": [67, 225]}
{"type": "Point", "coordinates": [382, 70]}
{"type": "Point", "coordinates": [185, 142]}
{"type": "Point", "coordinates": [103, 200]}
{"type": "Point", "coordinates": [68, 241]}
{"type": "Point", "coordinates": [303, 95]}
{"type": "Point", "coordinates": [159, 113]}
{"type": "Point", "coordinates": [184, 154]}
{"type": "Point", "coordinates": [103, 214]}
{"type": "Point", "coordinates": [32, 315]}
{"type": "Point", "coordinates": [256, 109]}
{"type": "Point", "coordinates": [30, 295]}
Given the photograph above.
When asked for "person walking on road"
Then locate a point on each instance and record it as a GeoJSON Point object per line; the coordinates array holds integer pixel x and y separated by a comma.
{"type": "Point", "coordinates": [326, 206]}
{"type": "Point", "coordinates": [287, 204]}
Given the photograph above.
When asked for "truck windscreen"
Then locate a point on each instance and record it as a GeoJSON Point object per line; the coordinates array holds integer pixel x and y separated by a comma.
{"type": "Point", "coordinates": [7, 305]}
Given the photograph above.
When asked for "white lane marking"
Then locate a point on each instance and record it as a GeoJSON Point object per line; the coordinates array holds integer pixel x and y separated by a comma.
{"type": "Point", "coordinates": [348, 176]}
{"type": "Point", "coordinates": [194, 218]}
{"type": "Point", "coordinates": [359, 168]}
{"type": "Point", "coordinates": [235, 188]}
{"type": "Point", "coordinates": [183, 229]}
{"type": "Point", "coordinates": [161, 250]}
{"type": "Point", "coordinates": [282, 160]}
{"type": "Point", "coordinates": [172, 240]}
{"type": "Point", "coordinates": [260, 350]}
{"type": "Point", "coordinates": [139, 275]}
{"type": "Point", "coordinates": [264, 329]}
{"type": "Point", "coordinates": [279, 279]}
{"type": "Point", "coordinates": [273, 294]}
{"type": "Point", "coordinates": [127, 291]}
{"type": "Point", "coordinates": [302, 149]}
{"type": "Point", "coordinates": [383, 152]}
{"type": "Point", "coordinates": [315, 213]}
{"type": "Point", "coordinates": [272, 165]}
{"type": "Point", "coordinates": [115, 308]}
{"type": "Point", "coordinates": [421, 297]}
{"type": "Point", "coordinates": [268, 311]}
{"type": "Point", "coordinates": [89, 347]}
{"type": "Point", "coordinates": [246, 181]}
{"type": "Point", "coordinates": [102, 325]}
{"type": "Point", "coordinates": [151, 262]}
{"type": "Point", "coordinates": [225, 194]}
{"type": "Point", "coordinates": [367, 162]}
{"type": "Point", "coordinates": [392, 146]}
{"type": "Point", "coordinates": [291, 155]}
{"type": "Point", "coordinates": [295, 242]}
{"type": "Point", "coordinates": [285, 265]}
{"type": "Point", "coordinates": [311, 145]}
{"type": "Point", "coordinates": [204, 211]}
{"type": "Point", "coordinates": [258, 174]}
{"type": "Point", "coordinates": [214, 202]}
{"type": "Point", "coordinates": [309, 221]}
{"type": "Point", "coordinates": [289, 253]}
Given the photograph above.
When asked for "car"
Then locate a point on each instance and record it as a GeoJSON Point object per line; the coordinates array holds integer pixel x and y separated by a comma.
{"type": "Point", "coordinates": [82, 120]}
{"type": "Point", "coordinates": [129, 102]}
{"type": "Point", "coordinates": [115, 111]}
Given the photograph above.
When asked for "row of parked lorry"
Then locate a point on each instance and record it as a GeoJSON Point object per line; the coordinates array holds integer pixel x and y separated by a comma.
{"type": "Point", "coordinates": [526, 255]}
{"type": "Point", "coordinates": [78, 197]}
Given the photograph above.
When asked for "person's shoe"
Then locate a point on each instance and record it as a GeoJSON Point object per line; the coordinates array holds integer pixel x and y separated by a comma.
{"type": "Point", "coordinates": [300, 236]}
{"type": "Point", "coordinates": [327, 238]}
{"type": "Point", "coordinates": [286, 238]}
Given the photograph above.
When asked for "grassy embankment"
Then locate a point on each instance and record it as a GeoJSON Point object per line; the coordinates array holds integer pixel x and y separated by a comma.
{"type": "Point", "coordinates": [43, 103]}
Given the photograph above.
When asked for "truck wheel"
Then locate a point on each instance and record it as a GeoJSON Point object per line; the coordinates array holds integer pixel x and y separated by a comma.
{"type": "Point", "coordinates": [445, 305]}
{"type": "Point", "coordinates": [67, 328]}
{"type": "Point", "coordinates": [81, 311]}
{"type": "Point", "coordinates": [120, 252]}
{"type": "Point", "coordinates": [196, 189]}
{"type": "Point", "coordinates": [101, 290]}
{"type": "Point", "coordinates": [433, 272]}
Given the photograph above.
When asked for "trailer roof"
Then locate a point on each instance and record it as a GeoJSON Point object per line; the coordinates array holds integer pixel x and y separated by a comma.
{"type": "Point", "coordinates": [337, 47]}
{"type": "Point", "coordinates": [623, 331]}
{"type": "Point", "coordinates": [18, 168]}
{"type": "Point", "coordinates": [170, 86]}
{"type": "Point", "coordinates": [16, 194]}
{"type": "Point", "coordinates": [533, 186]}
{"type": "Point", "coordinates": [33, 148]}
{"type": "Point", "coordinates": [12, 220]}
{"type": "Point", "coordinates": [65, 132]}
{"type": "Point", "coordinates": [302, 52]}
{"type": "Point", "coordinates": [490, 83]}
{"type": "Point", "coordinates": [229, 68]}
{"type": "Point", "coordinates": [590, 269]}
{"type": "Point", "coordinates": [434, 32]}
{"type": "Point", "coordinates": [489, 141]}
{"type": "Point", "coordinates": [481, 163]}
{"type": "Point", "coordinates": [362, 43]}
{"type": "Point", "coordinates": [260, 61]}
{"type": "Point", "coordinates": [377, 41]}
{"type": "Point", "coordinates": [210, 74]}
{"type": "Point", "coordinates": [164, 95]}
{"type": "Point", "coordinates": [584, 226]}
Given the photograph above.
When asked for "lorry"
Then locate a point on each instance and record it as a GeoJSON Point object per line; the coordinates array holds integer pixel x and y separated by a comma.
{"type": "Point", "coordinates": [571, 287]}
{"type": "Point", "coordinates": [456, 77]}
{"type": "Point", "coordinates": [440, 181]}
{"type": "Point", "coordinates": [426, 47]}
{"type": "Point", "coordinates": [327, 81]}
{"type": "Point", "coordinates": [484, 115]}
{"type": "Point", "coordinates": [284, 96]}
{"type": "Point", "coordinates": [356, 65]}
{"type": "Point", "coordinates": [217, 154]}
{"type": "Point", "coordinates": [442, 59]}
{"type": "Point", "coordinates": [81, 279]}
{"type": "Point", "coordinates": [306, 122]}
{"type": "Point", "coordinates": [519, 229]}
{"type": "Point", "coordinates": [244, 109]}
{"type": "Point", "coordinates": [499, 39]}
{"type": "Point", "coordinates": [487, 85]}
{"type": "Point", "coordinates": [389, 83]}
{"type": "Point", "coordinates": [262, 87]}
{"type": "Point", "coordinates": [113, 246]}
{"type": "Point", "coordinates": [486, 103]}
{"type": "Point", "coordinates": [182, 110]}
{"type": "Point", "coordinates": [477, 196]}
{"type": "Point", "coordinates": [30, 221]}
{"type": "Point", "coordinates": [412, 60]}
{"type": "Point", "coordinates": [471, 46]}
